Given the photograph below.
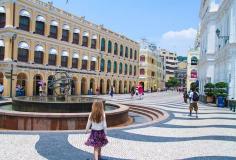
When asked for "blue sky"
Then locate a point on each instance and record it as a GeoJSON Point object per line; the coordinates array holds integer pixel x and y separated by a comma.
{"type": "Point", "coordinates": [171, 24]}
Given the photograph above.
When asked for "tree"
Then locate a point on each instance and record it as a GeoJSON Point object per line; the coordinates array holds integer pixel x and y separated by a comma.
{"type": "Point", "coordinates": [172, 82]}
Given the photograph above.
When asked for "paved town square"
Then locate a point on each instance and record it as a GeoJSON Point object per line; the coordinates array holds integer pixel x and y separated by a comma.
{"type": "Point", "coordinates": [211, 136]}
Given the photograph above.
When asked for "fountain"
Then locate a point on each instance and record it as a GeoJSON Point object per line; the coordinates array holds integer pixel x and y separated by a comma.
{"type": "Point", "coordinates": [59, 112]}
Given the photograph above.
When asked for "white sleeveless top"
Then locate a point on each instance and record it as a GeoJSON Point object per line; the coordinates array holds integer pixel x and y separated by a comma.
{"type": "Point", "coordinates": [97, 126]}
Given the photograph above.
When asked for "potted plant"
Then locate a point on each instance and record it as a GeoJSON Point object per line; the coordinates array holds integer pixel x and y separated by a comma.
{"type": "Point", "coordinates": [221, 93]}
{"type": "Point", "coordinates": [209, 92]}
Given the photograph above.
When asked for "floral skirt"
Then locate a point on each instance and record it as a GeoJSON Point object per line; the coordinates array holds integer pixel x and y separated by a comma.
{"type": "Point", "coordinates": [97, 139]}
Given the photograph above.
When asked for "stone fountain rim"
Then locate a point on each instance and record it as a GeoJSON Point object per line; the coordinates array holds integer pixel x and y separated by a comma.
{"type": "Point", "coordinates": [121, 108]}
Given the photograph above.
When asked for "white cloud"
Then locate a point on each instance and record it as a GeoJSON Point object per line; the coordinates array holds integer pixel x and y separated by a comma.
{"type": "Point", "coordinates": [178, 41]}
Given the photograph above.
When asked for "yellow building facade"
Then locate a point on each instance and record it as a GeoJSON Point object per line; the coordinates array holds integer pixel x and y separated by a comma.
{"type": "Point", "coordinates": [151, 68]}
{"type": "Point", "coordinates": [37, 40]}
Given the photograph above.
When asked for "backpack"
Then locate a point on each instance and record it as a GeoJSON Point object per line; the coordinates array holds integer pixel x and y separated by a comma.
{"type": "Point", "coordinates": [195, 96]}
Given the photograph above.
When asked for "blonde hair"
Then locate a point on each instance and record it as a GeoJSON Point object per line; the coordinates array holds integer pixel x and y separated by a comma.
{"type": "Point", "coordinates": [97, 111]}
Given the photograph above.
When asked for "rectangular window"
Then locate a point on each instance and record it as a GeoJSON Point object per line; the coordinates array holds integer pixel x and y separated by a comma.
{"type": "Point", "coordinates": [39, 28]}
{"type": "Point", "coordinates": [24, 23]}
{"type": "Point", "coordinates": [92, 67]}
{"type": "Point", "coordinates": [75, 38]}
{"type": "Point", "coordinates": [74, 62]}
{"type": "Point", "coordinates": [23, 55]}
{"type": "Point", "coordinates": [38, 57]}
{"type": "Point", "coordinates": [93, 43]}
{"type": "Point", "coordinates": [2, 20]}
{"type": "Point", "coordinates": [65, 35]}
{"type": "Point", "coordinates": [84, 64]}
{"type": "Point", "coordinates": [53, 32]}
{"type": "Point", "coordinates": [85, 41]}
{"type": "Point", "coordinates": [64, 60]}
{"type": "Point", "coordinates": [2, 50]}
{"type": "Point", "coordinates": [52, 59]}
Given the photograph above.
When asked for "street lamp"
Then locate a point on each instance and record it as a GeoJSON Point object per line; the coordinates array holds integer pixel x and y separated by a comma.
{"type": "Point", "coordinates": [12, 52]}
{"type": "Point", "coordinates": [219, 36]}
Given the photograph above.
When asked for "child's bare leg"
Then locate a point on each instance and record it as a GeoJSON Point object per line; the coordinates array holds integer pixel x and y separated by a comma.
{"type": "Point", "coordinates": [95, 153]}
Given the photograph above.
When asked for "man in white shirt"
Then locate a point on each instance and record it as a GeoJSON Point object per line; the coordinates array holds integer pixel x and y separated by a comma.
{"type": "Point", "coordinates": [1, 90]}
{"type": "Point", "coordinates": [194, 97]}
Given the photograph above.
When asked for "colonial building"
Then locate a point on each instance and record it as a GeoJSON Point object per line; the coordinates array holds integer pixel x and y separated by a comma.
{"type": "Point", "coordinates": [170, 63]}
{"type": "Point", "coordinates": [181, 73]}
{"type": "Point", "coordinates": [218, 44]}
{"type": "Point", "coordinates": [38, 39]}
{"type": "Point", "coordinates": [151, 67]}
{"type": "Point", "coordinates": [193, 59]}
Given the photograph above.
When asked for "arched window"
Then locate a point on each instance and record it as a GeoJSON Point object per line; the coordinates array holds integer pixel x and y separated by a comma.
{"type": "Point", "coordinates": [126, 52]}
{"type": "Point", "coordinates": [120, 68]}
{"type": "Point", "coordinates": [103, 44]}
{"type": "Point", "coordinates": [94, 41]}
{"type": "Point", "coordinates": [2, 50]}
{"type": "Point", "coordinates": [102, 67]}
{"type": "Point", "coordinates": [85, 39]}
{"type": "Point", "coordinates": [75, 60]}
{"type": "Point", "coordinates": [38, 54]}
{"type": "Point", "coordinates": [194, 60]}
{"type": "Point", "coordinates": [115, 67]}
{"type": "Point", "coordinates": [109, 66]}
{"type": "Point", "coordinates": [93, 64]}
{"type": "Point", "coordinates": [53, 29]}
{"type": "Point", "coordinates": [64, 58]}
{"type": "Point", "coordinates": [193, 73]}
{"type": "Point", "coordinates": [52, 59]}
{"type": "Point", "coordinates": [126, 69]}
{"type": "Point", "coordinates": [2, 17]}
{"type": "Point", "coordinates": [65, 33]}
{"type": "Point", "coordinates": [131, 53]}
{"type": "Point", "coordinates": [76, 36]}
{"type": "Point", "coordinates": [23, 52]}
{"type": "Point", "coordinates": [142, 72]}
{"type": "Point", "coordinates": [135, 55]}
{"type": "Point", "coordinates": [109, 46]}
{"type": "Point", "coordinates": [40, 25]}
{"type": "Point", "coordinates": [84, 62]}
{"type": "Point", "coordinates": [115, 48]}
{"type": "Point", "coordinates": [130, 69]}
{"type": "Point", "coordinates": [121, 50]}
{"type": "Point", "coordinates": [134, 70]}
{"type": "Point", "coordinates": [142, 58]}
{"type": "Point", "coordinates": [24, 22]}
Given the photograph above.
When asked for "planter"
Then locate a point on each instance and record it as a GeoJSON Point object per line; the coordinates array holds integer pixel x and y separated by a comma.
{"type": "Point", "coordinates": [209, 99]}
{"type": "Point", "coordinates": [220, 101]}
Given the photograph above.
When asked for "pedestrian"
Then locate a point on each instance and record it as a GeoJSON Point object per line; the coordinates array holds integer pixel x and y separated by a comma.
{"type": "Point", "coordinates": [140, 91]}
{"type": "Point", "coordinates": [111, 92]}
{"type": "Point", "coordinates": [1, 89]}
{"type": "Point", "coordinates": [185, 96]}
{"type": "Point", "coordinates": [194, 98]}
{"type": "Point", "coordinates": [97, 122]}
{"type": "Point", "coordinates": [132, 92]}
{"type": "Point", "coordinates": [40, 90]}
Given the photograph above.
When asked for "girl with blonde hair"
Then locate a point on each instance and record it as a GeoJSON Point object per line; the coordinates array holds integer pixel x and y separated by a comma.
{"type": "Point", "coordinates": [97, 122]}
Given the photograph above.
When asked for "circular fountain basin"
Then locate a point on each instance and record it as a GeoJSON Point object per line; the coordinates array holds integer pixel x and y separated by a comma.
{"type": "Point", "coordinates": [29, 113]}
{"type": "Point", "coordinates": [52, 104]}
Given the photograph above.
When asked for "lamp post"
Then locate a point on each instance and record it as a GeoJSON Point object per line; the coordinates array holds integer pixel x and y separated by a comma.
{"type": "Point", "coordinates": [219, 36]}
{"type": "Point", "coordinates": [12, 52]}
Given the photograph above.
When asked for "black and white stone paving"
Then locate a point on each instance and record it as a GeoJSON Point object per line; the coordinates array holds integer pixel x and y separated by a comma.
{"type": "Point", "coordinates": [211, 136]}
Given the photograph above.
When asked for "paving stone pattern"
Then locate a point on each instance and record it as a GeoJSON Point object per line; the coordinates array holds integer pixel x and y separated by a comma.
{"type": "Point", "coordinates": [211, 136]}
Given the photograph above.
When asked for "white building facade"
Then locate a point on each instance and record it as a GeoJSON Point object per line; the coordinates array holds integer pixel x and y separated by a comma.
{"type": "Point", "coordinates": [218, 51]}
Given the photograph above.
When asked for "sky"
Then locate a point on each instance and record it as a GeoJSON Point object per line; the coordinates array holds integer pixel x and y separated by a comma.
{"type": "Point", "coordinates": [170, 24]}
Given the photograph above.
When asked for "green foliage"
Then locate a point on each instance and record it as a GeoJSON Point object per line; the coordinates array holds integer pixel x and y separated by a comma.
{"type": "Point", "coordinates": [209, 89]}
{"type": "Point", "coordinates": [221, 89]}
{"type": "Point", "coordinates": [172, 82]}
{"type": "Point", "coordinates": [181, 58]}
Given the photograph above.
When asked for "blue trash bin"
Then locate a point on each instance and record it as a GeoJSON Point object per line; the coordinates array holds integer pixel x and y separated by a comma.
{"type": "Point", "coordinates": [220, 101]}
